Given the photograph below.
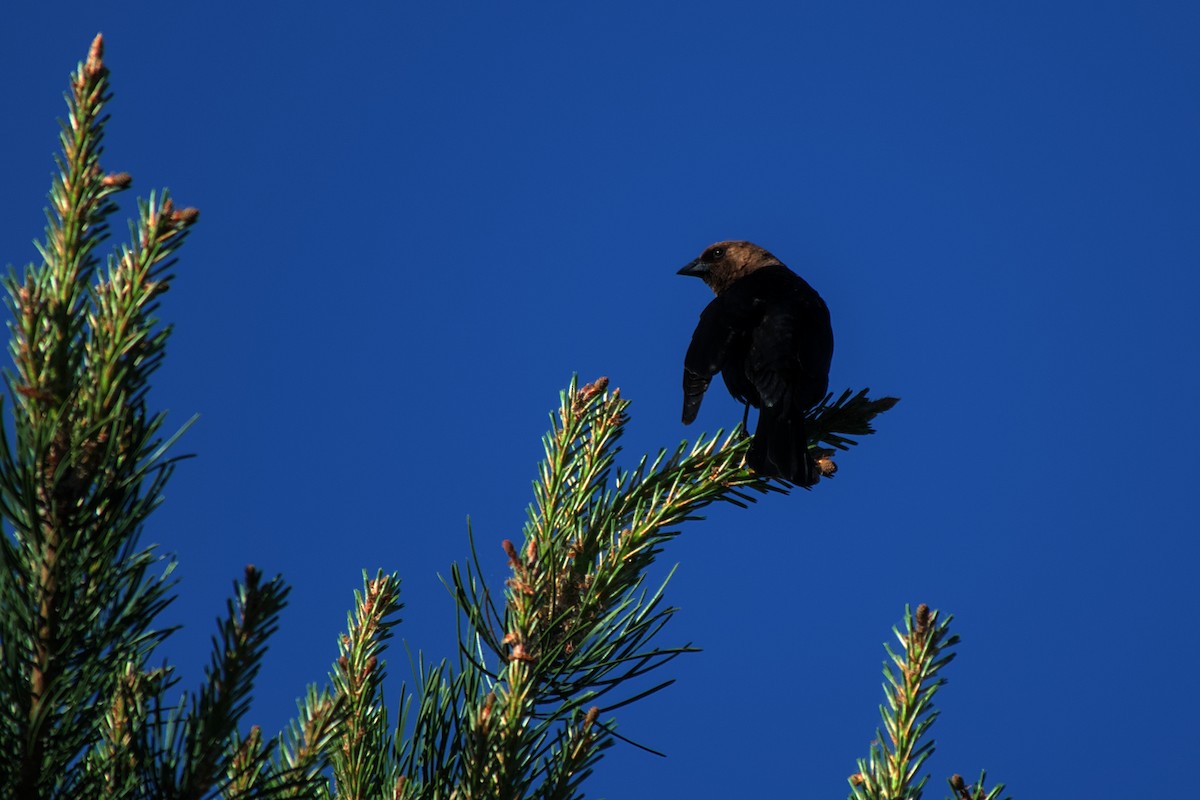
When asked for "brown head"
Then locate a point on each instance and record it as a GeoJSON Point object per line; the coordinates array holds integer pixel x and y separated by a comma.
{"type": "Point", "coordinates": [721, 264]}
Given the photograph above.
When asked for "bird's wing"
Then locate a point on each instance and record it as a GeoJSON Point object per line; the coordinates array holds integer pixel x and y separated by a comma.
{"type": "Point", "coordinates": [788, 359]}
{"type": "Point", "coordinates": [772, 361]}
{"type": "Point", "coordinates": [711, 342]}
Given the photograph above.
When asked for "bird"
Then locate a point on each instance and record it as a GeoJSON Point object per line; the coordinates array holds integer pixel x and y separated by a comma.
{"type": "Point", "coordinates": [769, 334]}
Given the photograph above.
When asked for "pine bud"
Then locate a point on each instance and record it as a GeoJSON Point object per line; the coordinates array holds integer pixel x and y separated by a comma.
{"type": "Point", "coordinates": [120, 180]}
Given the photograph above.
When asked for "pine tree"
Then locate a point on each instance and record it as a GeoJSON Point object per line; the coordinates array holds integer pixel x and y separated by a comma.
{"type": "Point", "coordinates": [83, 463]}
{"type": "Point", "coordinates": [545, 664]}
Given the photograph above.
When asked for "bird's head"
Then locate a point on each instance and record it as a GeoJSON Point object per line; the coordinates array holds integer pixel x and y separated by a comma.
{"type": "Point", "coordinates": [724, 262]}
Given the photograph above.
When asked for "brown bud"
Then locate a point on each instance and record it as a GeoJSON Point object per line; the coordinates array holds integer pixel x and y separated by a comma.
{"type": "Point", "coordinates": [922, 619]}
{"type": "Point", "coordinates": [34, 394]}
{"type": "Point", "coordinates": [827, 467]}
{"type": "Point", "coordinates": [519, 586]}
{"type": "Point", "coordinates": [121, 180]}
{"type": "Point", "coordinates": [592, 389]}
{"type": "Point", "coordinates": [487, 708]}
{"type": "Point", "coordinates": [95, 59]}
{"type": "Point", "coordinates": [511, 551]}
{"type": "Point", "coordinates": [186, 216]}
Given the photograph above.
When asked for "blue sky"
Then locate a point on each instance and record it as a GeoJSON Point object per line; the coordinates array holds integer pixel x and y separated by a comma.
{"type": "Point", "coordinates": [418, 220]}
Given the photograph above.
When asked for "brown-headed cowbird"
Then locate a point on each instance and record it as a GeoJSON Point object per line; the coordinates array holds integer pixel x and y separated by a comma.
{"type": "Point", "coordinates": [768, 334]}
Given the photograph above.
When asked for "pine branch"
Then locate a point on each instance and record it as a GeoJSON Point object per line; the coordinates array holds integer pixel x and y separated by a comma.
{"type": "Point", "coordinates": [117, 765]}
{"type": "Point", "coordinates": [834, 423]}
{"type": "Point", "coordinates": [304, 749]}
{"type": "Point", "coordinates": [82, 468]}
{"type": "Point", "coordinates": [570, 760]}
{"type": "Point", "coordinates": [964, 792]}
{"type": "Point", "coordinates": [578, 623]}
{"type": "Point", "coordinates": [207, 753]}
{"type": "Point", "coordinates": [890, 770]}
{"type": "Point", "coordinates": [363, 765]}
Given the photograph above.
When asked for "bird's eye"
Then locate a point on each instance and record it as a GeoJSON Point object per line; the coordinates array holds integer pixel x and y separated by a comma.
{"type": "Point", "coordinates": [716, 254]}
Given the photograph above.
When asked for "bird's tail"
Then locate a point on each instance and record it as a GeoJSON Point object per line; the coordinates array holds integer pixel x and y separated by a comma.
{"type": "Point", "coordinates": [780, 447]}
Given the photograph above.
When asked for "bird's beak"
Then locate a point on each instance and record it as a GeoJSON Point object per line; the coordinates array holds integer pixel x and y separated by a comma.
{"type": "Point", "coordinates": [697, 269]}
